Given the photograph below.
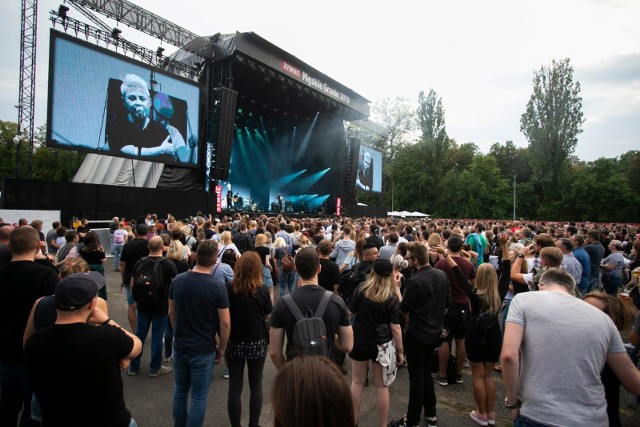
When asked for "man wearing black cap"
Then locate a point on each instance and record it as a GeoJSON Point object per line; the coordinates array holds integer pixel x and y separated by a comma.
{"type": "Point", "coordinates": [132, 252]}
{"type": "Point", "coordinates": [22, 282]}
{"type": "Point", "coordinates": [75, 367]}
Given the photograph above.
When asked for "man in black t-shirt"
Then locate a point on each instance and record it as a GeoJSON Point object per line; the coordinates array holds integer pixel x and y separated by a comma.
{"type": "Point", "coordinates": [22, 282]}
{"type": "Point", "coordinates": [154, 316]}
{"type": "Point", "coordinates": [132, 252]}
{"type": "Point", "coordinates": [329, 276]}
{"type": "Point", "coordinates": [75, 367]}
{"type": "Point", "coordinates": [426, 299]}
{"type": "Point", "coordinates": [308, 297]}
{"type": "Point", "coordinates": [242, 239]}
{"type": "Point", "coordinates": [374, 238]}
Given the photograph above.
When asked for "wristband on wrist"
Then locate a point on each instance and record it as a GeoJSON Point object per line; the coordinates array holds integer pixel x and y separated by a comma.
{"type": "Point", "coordinates": [106, 322]}
{"type": "Point", "coordinates": [512, 406]}
{"type": "Point", "coordinates": [520, 255]}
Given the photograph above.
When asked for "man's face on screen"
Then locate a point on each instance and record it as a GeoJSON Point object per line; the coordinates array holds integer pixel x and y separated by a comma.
{"type": "Point", "coordinates": [138, 103]}
{"type": "Point", "coordinates": [367, 161]}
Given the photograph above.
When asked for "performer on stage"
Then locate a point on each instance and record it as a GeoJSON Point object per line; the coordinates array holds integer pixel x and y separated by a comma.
{"type": "Point", "coordinates": [364, 180]}
{"type": "Point", "coordinates": [229, 198]}
{"type": "Point", "coordinates": [280, 202]}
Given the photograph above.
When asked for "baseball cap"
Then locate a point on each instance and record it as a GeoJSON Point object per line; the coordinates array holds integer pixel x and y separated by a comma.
{"type": "Point", "coordinates": [75, 291]}
{"type": "Point", "coordinates": [383, 267]}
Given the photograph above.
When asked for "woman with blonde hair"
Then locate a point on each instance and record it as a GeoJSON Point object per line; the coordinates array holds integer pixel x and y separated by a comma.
{"type": "Point", "coordinates": [260, 247]}
{"type": "Point", "coordinates": [226, 242]}
{"type": "Point", "coordinates": [483, 340]}
{"type": "Point", "coordinates": [433, 241]}
{"type": "Point", "coordinates": [175, 253]}
{"type": "Point", "coordinates": [249, 306]}
{"type": "Point", "coordinates": [354, 256]}
{"type": "Point", "coordinates": [376, 303]}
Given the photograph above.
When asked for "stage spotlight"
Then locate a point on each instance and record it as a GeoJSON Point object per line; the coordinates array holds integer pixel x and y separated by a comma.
{"type": "Point", "coordinates": [62, 11]}
{"type": "Point", "coordinates": [115, 33]}
{"type": "Point", "coordinates": [159, 52]}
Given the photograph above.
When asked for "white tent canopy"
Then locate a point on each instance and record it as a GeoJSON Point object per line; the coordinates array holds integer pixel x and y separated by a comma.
{"type": "Point", "coordinates": [408, 214]}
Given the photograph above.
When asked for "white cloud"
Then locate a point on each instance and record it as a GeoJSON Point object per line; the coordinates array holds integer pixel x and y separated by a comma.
{"type": "Point", "coordinates": [479, 56]}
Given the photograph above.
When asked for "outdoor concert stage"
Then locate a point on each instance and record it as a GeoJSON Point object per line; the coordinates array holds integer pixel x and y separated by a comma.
{"type": "Point", "coordinates": [268, 124]}
{"type": "Point", "coordinates": [103, 202]}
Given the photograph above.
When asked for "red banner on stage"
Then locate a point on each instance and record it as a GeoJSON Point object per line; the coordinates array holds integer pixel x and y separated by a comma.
{"type": "Point", "coordinates": [218, 198]}
{"type": "Point", "coordinates": [338, 205]}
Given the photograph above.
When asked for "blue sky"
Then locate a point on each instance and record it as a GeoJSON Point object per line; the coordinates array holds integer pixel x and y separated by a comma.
{"type": "Point", "coordinates": [478, 56]}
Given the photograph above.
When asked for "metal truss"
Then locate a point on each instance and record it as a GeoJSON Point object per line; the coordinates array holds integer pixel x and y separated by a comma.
{"type": "Point", "coordinates": [27, 88]}
{"type": "Point", "coordinates": [141, 19]}
{"type": "Point", "coordinates": [113, 39]}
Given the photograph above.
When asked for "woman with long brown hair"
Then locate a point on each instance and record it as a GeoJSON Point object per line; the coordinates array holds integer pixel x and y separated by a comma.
{"type": "Point", "coordinates": [250, 307]}
{"type": "Point", "coordinates": [311, 391]}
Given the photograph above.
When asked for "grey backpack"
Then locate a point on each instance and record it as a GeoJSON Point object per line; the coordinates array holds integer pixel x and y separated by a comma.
{"type": "Point", "coordinates": [309, 333]}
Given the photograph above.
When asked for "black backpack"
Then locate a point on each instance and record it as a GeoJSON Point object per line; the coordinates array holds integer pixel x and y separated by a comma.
{"type": "Point", "coordinates": [309, 333]}
{"type": "Point", "coordinates": [349, 280]}
{"type": "Point", "coordinates": [147, 281]}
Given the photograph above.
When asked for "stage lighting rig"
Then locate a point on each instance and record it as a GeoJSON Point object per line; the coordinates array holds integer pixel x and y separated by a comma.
{"type": "Point", "coordinates": [114, 40]}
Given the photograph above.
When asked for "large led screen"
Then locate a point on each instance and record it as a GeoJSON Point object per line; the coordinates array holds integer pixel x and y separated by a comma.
{"type": "Point", "coordinates": [369, 175]}
{"type": "Point", "coordinates": [105, 103]}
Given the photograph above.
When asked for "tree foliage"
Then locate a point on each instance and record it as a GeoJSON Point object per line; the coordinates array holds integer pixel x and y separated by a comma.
{"type": "Point", "coordinates": [551, 123]}
{"type": "Point", "coordinates": [47, 163]}
{"type": "Point", "coordinates": [398, 117]}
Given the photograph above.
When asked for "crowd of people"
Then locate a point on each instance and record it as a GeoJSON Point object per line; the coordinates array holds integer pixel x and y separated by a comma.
{"type": "Point", "coordinates": [542, 303]}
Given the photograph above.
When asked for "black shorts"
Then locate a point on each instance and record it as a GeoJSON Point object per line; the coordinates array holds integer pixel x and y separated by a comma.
{"type": "Point", "coordinates": [456, 320]}
{"type": "Point", "coordinates": [364, 352]}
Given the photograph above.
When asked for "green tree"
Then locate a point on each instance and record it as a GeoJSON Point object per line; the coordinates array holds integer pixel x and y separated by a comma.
{"type": "Point", "coordinates": [630, 164]}
{"type": "Point", "coordinates": [8, 149]}
{"type": "Point", "coordinates": [600, 191]}
{"type": "Point", "coordinates": [410, 180]}
{"type": "Point", "coordinates": [478, 191]}
{"type": "Point", "coordinates": [551, 123]}
{"type": "Point", "coordinates": [399, 118]}
{"type": "Point", "coordinates": [431, 116]}
{"type": "Point", "coordinates": [434, 145]}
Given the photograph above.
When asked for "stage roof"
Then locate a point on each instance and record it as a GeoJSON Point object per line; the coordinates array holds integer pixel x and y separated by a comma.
{"type": "Point", "coordinates": [281, 71]}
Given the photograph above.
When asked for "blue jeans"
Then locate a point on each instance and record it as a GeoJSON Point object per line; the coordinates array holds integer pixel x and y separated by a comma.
{"type": "Point", "coordinates": [116, 250]}
{"type": "Point", "coordinates": [593, 283]}
{"type": "Point", "coordinates": [158, 324]}
{"type": "Point", "coordinates": [611, 284]}
{"type": "Point", "coordinates": [527, 422]}
{"type": "Point", "coordinates": [505, 311]}
{"type": "Point", "coordinates": [168, 340]}
{"type": "Point", "coordinates": [15, 397]}
{"type": "Point", "coordinates": [288, 276]}
{"type": "Point", "coordinates": [191, 373]}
